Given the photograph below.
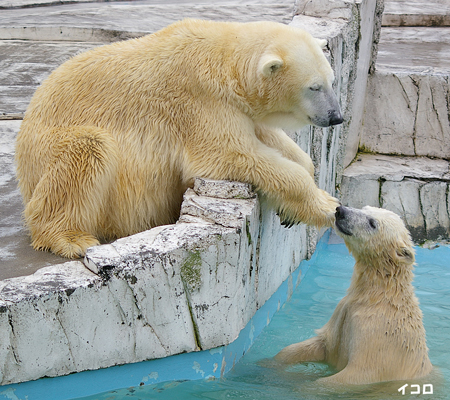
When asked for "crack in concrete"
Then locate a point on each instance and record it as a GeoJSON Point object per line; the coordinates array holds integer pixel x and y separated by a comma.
{"type": "Point", "coordinates": [381, 180]}
{"type": "Point", "coordinates": [436, 111]}
{"type": "Point", "coordinates": [142, 317]}
{"type": "Point", "coordinates": [191, 313]}
{"type": "Point", "coordinates": [414, 133]}
{"type": "Point", "coordinates": [422, 210]}
{"type": "Point", "coordinates": [13, 340]}
{"type": "Point", "coordinates": [257, 254]}
{"type": "Point", "coordinates": [447, 191]}
{"type": "Point", "coordinates": [405, 94]}
{"type": "Point", "coordinates": [69, 346]}
{"type": "Point", "coordinates": [447, 99]}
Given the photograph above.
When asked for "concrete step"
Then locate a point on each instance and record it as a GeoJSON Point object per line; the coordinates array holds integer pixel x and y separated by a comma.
{"type": "Point", "coordinates": [34, 40]}
{"type": "Point", "coordinates": [406, 123]}
{"type": "Point", "coordinates": [417, 48]}
{"type": "Point", "coordinates": [117, 20]}
{"type": "Point", "coordinates": [416, 13]}
{"type": "Point", "coordinates": [416, 188]}
{"type": "Point", "coordinates": [407, 104]}
{"type": "Point", "coordinates": [24, 66]}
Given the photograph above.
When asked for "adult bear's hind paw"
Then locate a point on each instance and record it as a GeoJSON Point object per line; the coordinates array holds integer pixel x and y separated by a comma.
{"type": "Point", "coordinates": [69, 244]}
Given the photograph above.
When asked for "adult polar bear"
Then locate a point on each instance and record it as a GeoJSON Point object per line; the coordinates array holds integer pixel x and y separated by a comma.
{"type": "Point", "coordinates": [114, 136]}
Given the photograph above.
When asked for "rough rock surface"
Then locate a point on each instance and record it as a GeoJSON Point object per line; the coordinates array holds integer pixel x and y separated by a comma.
{"type": "Point", "coordinates": [407, 114]}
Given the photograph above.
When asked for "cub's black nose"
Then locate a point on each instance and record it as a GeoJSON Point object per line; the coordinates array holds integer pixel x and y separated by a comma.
{"type": "Point", "coordinates": [341, 212]}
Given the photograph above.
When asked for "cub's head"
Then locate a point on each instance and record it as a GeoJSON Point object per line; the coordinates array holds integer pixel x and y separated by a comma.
{"type": "Point", "coordinates": [374, 236]}
{"type": "Point", "coordinates": [295, 80]}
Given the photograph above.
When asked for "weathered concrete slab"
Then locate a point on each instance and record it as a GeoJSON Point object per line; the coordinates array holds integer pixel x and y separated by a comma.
{"type": "Point", "coordinates": [416, 49]}
{"type": "Point", "coordinates": [398, 168]}
{"type": "Point", "coordinates": [407, 104]}
{"type": "Point", "coordinates": [407, 114]}
{"type": "Point", "coordinates": [25, 64]}
{"type": "Point", "coordinates": [111, 21]}
{"type": "Point", "coordinates": [416, 188]}
{"type": "Point", "coordinates": [416, 13]}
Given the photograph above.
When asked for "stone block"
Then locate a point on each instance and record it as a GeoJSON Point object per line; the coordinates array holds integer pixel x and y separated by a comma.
{"type": "Point", "coordinates": [390, 111]}
{"type": "Point", "coordinates": [35, 342]}
{"type": "Point", "coordinates": [416, 188]}
{"type": "Point", "coordinates": [433, 197]}
{"type": "Point", "coordinates": [432, 124]}
{"type": "Point", "coordinates": [223, 189]}
{"type": "Point", "coordinates": [223, 211]}
{"type": "Point", "coordinates": [402, 197]}
{"type": "Point", "coordinates": [360, 191]}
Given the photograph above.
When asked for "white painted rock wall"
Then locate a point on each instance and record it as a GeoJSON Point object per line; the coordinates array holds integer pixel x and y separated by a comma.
{"type": "Point", "coordinates": [407, 114]}
{"type": "Point", "coordinates": [177, 288]}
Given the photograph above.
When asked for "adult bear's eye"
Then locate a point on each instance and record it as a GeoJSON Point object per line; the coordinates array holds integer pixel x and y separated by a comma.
{"type": "Point", "coordinates": [315, 88]}
{"type": "Point", "coordinates": [373, 223]}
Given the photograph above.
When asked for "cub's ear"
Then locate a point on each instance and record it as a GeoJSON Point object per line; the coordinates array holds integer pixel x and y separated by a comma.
{"type": "Point", "coordinates": [406, 254]}
{"type": "Point", "coordinates": [270, 64]}
{"type": "Point", "coordinates": [322, 43]}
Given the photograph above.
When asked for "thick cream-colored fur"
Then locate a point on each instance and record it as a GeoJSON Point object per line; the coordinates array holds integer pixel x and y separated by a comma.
{"type": "Point", "coordinates": [115, 135]}
{"type": "Point", "coordinates": [376, 332]}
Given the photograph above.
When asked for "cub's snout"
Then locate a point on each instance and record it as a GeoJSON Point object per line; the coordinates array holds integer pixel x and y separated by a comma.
{"type": "Point", "coordinates": [355, 222]}
{"type": "Point", "coordinates": [342, 223]}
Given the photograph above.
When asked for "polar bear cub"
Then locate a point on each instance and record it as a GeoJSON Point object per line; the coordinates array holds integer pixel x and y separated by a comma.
{"type": "Point", "coordinates": [376, 332]}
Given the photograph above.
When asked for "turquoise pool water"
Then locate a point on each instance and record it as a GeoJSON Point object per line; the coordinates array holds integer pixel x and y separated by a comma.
{"type": "Point", "coordinates": [310, 307]}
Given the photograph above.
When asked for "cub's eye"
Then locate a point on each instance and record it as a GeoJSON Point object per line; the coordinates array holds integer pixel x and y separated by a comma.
{"type": "Point", "coordinates": [316, 87]}
{"type": "Point", "coordinates": [373, 223]}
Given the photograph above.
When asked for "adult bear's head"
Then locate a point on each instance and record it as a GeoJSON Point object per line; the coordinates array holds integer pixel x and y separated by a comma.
{"type": "Point", "coordinates": [295, 80]}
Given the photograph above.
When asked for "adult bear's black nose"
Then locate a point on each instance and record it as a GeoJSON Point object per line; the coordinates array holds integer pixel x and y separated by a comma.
{"type": "Point", "coordinates": [336, 118]}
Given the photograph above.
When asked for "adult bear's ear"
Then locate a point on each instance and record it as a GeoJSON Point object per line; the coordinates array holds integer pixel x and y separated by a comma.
{"type": "Point", "coordinates": [322, 43]}
{"type": "Point", "coordinates": [270, 64]}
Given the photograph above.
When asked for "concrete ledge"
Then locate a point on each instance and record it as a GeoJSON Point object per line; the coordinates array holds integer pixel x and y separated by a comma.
{"type": "Point", "coordinates": [178, 288]}
{"type": "Point", "coordinates": [210, 364]}
{"type": "Point", "coordinates": [416, 13]}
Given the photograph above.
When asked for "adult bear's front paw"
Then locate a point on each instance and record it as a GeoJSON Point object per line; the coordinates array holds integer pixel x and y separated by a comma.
{"type": "Point", "coordinates": [327, 208]}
